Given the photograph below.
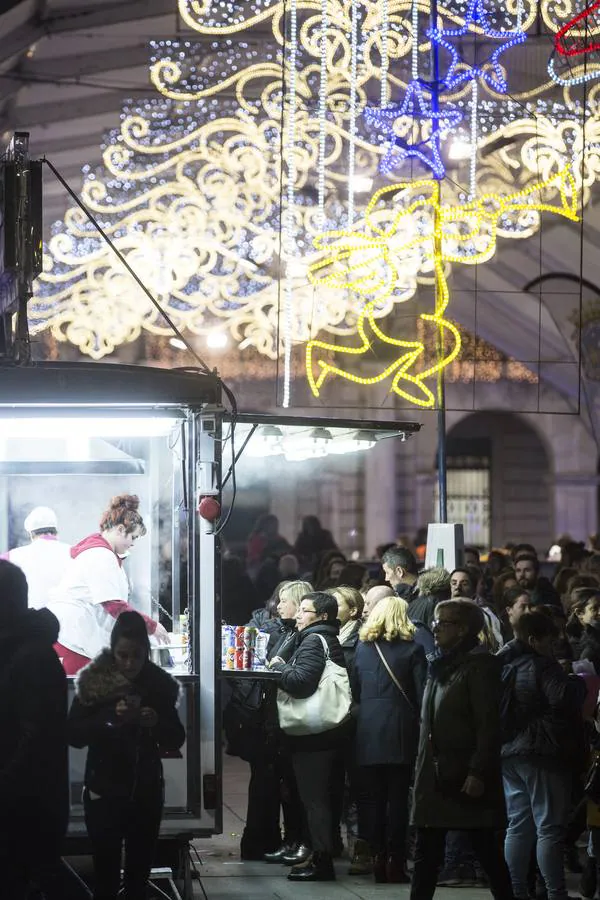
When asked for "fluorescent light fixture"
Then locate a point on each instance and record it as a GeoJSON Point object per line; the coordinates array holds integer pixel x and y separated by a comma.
{"type": "Point", "coordinates": [352, 442]}
{"type": "Point", "coordinates": [177, 343]}
{"type": "Point", "coordinates": [312, 445]}
{"type": "Point", "coordinates": [82, 428]}
{"type": "Point", "coordinates": [216, 340]}
{"type": "Point", "coordinates": [266, 442]}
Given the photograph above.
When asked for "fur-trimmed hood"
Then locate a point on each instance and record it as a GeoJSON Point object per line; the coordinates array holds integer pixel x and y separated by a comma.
{"type": "Point", "coordinates": [433, 581]}
{"type": "Point", "coordinates": [101, 682]}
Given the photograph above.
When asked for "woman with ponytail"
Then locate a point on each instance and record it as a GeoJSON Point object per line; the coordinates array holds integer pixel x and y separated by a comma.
{"type": "Point", "coordinates": [95, 589]}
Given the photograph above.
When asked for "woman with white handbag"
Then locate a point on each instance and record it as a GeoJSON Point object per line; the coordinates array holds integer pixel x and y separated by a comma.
{"type": "Point", "coordinates": [313, 704]}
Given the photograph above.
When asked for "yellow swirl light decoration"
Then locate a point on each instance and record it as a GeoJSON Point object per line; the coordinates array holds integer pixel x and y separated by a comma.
{"type": "Point", "coordinates": [353, 256]}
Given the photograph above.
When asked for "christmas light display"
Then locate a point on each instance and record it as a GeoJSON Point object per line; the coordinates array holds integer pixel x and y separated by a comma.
{"type": "Point", "coordinates": [257, 144]}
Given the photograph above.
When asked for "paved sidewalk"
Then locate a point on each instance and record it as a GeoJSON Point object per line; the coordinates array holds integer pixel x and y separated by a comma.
{"type": "Point", "coordinates": [224, 877]}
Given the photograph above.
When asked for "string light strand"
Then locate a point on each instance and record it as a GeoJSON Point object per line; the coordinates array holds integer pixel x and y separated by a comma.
{"type": "Point", "coordinates": [353, 109]}
{"type": "Point", "coordinates": [290, 229]}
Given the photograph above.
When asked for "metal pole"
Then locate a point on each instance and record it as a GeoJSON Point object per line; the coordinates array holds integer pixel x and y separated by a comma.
{"type": "Point", "coordinates": [441, 389]}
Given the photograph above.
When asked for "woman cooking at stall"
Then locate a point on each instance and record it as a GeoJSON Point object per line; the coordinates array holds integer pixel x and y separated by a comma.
{"type": "Point", "coordinates": [94, 590]}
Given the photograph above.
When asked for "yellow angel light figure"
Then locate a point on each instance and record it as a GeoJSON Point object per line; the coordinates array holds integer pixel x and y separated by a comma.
{"type": "Point", "coordinates": [370, 263]}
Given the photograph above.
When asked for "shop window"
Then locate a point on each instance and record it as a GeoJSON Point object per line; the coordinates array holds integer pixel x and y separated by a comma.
{"type": "Point", "coordinates": [469, 489]}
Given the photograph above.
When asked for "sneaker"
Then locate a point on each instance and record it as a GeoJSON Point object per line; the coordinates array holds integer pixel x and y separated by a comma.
{"type": "Point", "coordinates": [449, 877]}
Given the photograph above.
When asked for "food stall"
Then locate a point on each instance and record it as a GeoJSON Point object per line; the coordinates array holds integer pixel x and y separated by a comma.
{"type": "Point", "coordinates": [72, 436]}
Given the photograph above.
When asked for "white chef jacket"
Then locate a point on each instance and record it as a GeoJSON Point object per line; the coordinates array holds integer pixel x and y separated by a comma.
{"type": "Point", "coordinates": [94, 577]}
{"type": "Point", "coordinates": [44, 562]}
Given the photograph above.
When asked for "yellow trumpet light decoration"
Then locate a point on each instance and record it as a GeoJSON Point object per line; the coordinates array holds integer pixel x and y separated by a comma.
{"type": "Point", "coordinates": [369, 263]}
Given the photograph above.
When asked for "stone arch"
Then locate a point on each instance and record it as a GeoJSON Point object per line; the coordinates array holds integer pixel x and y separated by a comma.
{"type": "Point", "coordinates": [520, 485]}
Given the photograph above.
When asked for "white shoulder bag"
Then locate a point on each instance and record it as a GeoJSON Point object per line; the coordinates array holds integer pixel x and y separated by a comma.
{"type": "Point", "coordinates": [327, 708]}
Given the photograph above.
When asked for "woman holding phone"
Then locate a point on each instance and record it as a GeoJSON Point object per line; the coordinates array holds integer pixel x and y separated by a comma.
{"type": "Point", "coordinates": [125, 712]}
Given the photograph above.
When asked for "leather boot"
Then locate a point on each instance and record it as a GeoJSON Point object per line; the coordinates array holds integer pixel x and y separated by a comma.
{"type": "Point", "coordinates": [277, 855]}
{"type": "Point", "coordinates": [396, 872]}
{"type": "Point", "coordinates": [299, 854]}
{"type": "Point", "coordinates": [380, 868]}
{"type": "Point", "coordinates": [320, 868]}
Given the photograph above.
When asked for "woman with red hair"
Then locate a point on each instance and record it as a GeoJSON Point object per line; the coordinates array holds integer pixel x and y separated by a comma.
{"type": "Point", "coordinates": [95, 589]}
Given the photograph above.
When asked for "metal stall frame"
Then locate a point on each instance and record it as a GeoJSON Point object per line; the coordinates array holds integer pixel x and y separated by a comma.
{"type": "Point", "coordinates": [98, 390]}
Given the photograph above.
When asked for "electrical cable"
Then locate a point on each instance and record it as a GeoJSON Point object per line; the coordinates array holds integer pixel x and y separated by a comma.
{"type": "Point", "coordinates": [204, 368]}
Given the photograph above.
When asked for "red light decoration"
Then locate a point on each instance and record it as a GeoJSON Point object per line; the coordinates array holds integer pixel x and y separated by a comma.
{"type": "Point", "coordinates": [569, 44]}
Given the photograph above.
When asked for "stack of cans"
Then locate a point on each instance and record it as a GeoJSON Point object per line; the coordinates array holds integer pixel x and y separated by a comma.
{"type": "Point", "coordinates": [228, 647]}
{"type": "Point", "coordinates": [243, 648]}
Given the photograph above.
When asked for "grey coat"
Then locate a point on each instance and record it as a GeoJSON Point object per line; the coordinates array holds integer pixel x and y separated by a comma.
{"type": "Point", "coordinates": [460, 736]}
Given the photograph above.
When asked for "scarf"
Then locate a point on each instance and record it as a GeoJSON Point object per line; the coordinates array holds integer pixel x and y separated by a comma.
{"type": "Point", "coordinates": [347, 630]}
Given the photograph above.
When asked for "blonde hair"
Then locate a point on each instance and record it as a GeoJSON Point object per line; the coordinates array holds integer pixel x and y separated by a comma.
{"type": "Point", "coordinates": [352, 596]}
{"type": "Point", "coordinates": [295, 590]}
{"type": "Point", "coordinates": [388, 620]}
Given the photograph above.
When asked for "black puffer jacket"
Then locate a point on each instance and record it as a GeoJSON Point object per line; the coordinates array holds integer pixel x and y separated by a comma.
{"type": "Point", "coordinates": [33, 712]}
{"type": "Point", "coordinates": [300, 678]}
{"type": "Point", "coordinates": [124, 760]}
{"type": "Point", "coordinates": [421, 607]}
{"type": "Point", "coordinates": [546, 708]}
{"type": "Point", "coordinates": [283, 640]}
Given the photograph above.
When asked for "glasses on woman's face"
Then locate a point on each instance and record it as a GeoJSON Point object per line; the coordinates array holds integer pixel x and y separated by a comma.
{"type": "Point", "coordinates": [303, 610]}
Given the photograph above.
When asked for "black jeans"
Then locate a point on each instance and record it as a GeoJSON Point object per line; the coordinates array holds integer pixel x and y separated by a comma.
{"type": "Point", "coordinates": [383, 801]}
{"type": "Point", "coordinates": [314, 772]}
{"type": "Point", "coordinates": [294, 818]}
{"type": "Point", "coordinates": [429, 858]}
{"type": "Point", "coordinates": [262, 833]}
{"type": "Point", "coordinates": [111, 822]}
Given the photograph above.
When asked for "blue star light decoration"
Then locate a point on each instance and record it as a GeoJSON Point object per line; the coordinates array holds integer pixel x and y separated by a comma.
{"type": "Point", "coordinates": [494, 77]}
{"type": "Point", "coordinates": [414, 106]}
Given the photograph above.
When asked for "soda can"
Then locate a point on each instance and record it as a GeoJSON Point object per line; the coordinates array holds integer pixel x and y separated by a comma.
{"type": "Point", "coordinates": [260, 656]}
{"type": "Point", "coordinates": [239, 646]}
{"type": "Point", "coordinates": [227, 647]}
{"type": "Point", "coordinates": [250, 634]}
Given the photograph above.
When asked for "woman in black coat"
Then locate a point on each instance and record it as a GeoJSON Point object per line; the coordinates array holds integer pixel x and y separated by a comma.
{"type": "Point", "coordinates": [125, 712]}
{"type": "Point", "coordinates": [387, 732]}
{"type": "Point", "coordinates": [314, 755]}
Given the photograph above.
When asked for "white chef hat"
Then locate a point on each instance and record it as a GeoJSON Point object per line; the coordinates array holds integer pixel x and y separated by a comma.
{"type": "Point", "coordinates": [39, 518]}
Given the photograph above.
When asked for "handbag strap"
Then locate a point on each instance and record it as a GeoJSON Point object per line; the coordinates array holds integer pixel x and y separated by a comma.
{"type": "Point", "coordinates": [325, 646]}
{"type": "Point", "coordinates": [393, 677]}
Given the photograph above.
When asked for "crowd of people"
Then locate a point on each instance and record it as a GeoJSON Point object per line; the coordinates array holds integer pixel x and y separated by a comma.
{"type": "Point", "coordinates": [468, 754]}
